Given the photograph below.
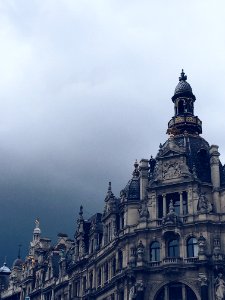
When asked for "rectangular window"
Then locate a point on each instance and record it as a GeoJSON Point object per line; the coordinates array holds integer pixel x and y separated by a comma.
{"type": "Point", "coordinates": [76, 288]}
{"type": "Point", "coordinates": [185, 204]}
{"type": "Point", "coordinates": [160, 206]}
{"type": "Point", "coordinates": [84, 284]}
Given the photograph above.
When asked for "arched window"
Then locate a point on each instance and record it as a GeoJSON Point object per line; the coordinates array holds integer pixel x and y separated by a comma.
{"type": "Point", "coordinates": [192, 247]}
{"type": "Point", "coordinates": [173, 248]}
{"type": "Point", "coordinates": [180, 107]}
{"type": "Point", "coordinates": [175, 291]}
{"type": "Point", "coordinates": [155, 251]}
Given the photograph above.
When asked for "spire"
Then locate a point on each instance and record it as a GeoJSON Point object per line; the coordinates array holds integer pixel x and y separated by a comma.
{"type": "Point", "coordinates": [109, 194]}
{"type": "Point", "coordinates": [37, 230]}
{"type": "Point", "coordinates": [81, 213]}
{"type": "Point", "coordinates": [182, 76]}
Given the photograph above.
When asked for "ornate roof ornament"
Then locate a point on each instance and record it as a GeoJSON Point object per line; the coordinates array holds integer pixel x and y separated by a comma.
{"type": "Point", "coordinates": [37, 229]}
{"type": "Point", "coordinates": [182, 76]}
{"type": "Point", "coordinates": [136, 171]}
{"type": "Point", "coordinates": [109, 194]}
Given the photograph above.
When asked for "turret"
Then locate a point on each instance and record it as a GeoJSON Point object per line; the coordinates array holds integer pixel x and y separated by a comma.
{"type": "Point", "coordinates": [184, 120]}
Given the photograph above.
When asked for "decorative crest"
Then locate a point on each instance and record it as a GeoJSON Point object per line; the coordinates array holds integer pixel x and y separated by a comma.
{"type": "Point", "coordinates": [182, 76]}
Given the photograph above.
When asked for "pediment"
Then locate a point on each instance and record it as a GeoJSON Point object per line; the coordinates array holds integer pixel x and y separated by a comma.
{"type": "Point", "coordinates": [171, 149]}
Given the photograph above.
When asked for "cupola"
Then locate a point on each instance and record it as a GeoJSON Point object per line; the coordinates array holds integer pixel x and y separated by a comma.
{"type": "Point", "coordinates": [184, 120]}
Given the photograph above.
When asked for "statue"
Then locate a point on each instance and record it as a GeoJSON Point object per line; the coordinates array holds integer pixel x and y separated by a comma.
{"type": "Point", "coordinates": [219, 287]}
{"type": "Point", "coordinates": [143, 211]}
{"type": "Point", "coordinates": [171, 218]}
{"type": "Point", "coordinates": [37, 223]}
{"type": "Point", "coordinates": [132, 293]}
{"type": "Point", "coordinates": [204, 204]}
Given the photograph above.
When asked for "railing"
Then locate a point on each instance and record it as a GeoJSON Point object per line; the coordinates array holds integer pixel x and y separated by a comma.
{"type": "Point", "coordinates": [190, 260]}
{"type": "Point", "coordinates": [159, 222]}
{"type": "Point", "coordinates": [172, 260]}
{"type": "Point", "coordinates": [154, 263]}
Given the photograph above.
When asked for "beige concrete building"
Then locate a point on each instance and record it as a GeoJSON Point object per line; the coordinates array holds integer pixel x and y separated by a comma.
{"type": "Point", "coordinates": [162, 239]}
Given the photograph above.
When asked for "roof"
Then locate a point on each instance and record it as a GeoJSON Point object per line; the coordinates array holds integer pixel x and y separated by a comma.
{"type": "Point", "coordinates": [4, 269]}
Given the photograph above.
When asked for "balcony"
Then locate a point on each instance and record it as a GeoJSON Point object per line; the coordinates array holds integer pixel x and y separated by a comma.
{"type": "Point", "coordinates": [191, 260]}
{"type": "Point", "coordinates": [172, 260]}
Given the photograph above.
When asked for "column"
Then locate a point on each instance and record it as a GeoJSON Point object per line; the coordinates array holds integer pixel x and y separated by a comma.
{"type": "Point", "coordinates": [183, 292]}
{"type": "Point", "coordinates": [215, 174]}
{"type": "Point", "coordinates": [181, 204]}
{"type": "Point", "coordinates": [166, 291]}
{"type": "Point", "coordinates": [190, 201]}
{"type": "Point", "coordinates": [143, 167]}
{"type": "Point", "coordinates": [164, 205]}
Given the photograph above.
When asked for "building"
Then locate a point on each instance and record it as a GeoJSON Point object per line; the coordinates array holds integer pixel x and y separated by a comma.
{"type": "Point", "coordinates": [163, 238]}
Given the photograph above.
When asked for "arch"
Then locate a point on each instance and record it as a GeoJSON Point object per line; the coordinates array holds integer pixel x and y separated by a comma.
{"type": "Point", "coordinates": [156, 290]}
{"type": "Point", "coordinates": [155, 251]}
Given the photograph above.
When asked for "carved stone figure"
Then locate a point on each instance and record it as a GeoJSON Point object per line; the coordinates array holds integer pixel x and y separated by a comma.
{"type": "Point", "coordinates": [201, 245]}
{"type": "Point", "coordinates": [140, 251]}
{"type": "Point", "coordinates": [143, 211]}
{"type": "Point", "coordinates": [219, 287]}
{"type": "Point", "coordinates": [171, 218]}
{"type": "Point", "coordinates": [132, 293]}
{"type": "Point", "coordinates": [204, 204]}
{"type": "Point", "coordinates": [202, 279]}
{"type": "Point", "coordinates": [171, 170]}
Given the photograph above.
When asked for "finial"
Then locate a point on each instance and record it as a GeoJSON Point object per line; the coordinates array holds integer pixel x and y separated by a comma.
{"type": "Point", "coordinates": [182, 76]}
{"type": "Point", "coordinates": [109, 192]}
{"type": "Point", "coordinates": [81, 212]}
{"type": "Point", "coordinates": [37, 223]}
{"type": "Point", "coordinates": [110, 187]}
{"type": "Point", "coordinates": [19, 251]}
{"type": "Point", "coordinates": [136, 172]}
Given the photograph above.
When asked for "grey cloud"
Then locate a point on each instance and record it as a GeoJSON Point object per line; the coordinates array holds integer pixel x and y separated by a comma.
{"type": "Point", "coordinates": [85, 89]}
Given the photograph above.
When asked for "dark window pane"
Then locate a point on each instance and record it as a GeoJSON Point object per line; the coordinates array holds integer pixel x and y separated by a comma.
{"type": "Point", "coordinates": [173, 248]}
{"type": "Point", "coordinates": [155, 251]}
{"type": "Point", "coordinates": [192, 247]}
{"type": "Point", "coordinates": [160, 206]}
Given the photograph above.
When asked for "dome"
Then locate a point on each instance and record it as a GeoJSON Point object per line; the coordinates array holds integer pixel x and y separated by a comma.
{"type": "Point", "coordinates": [132, 189]}
{"type": "Point", "coordinates": [18, 263]}
{"type": "Point", "coordinates": [183, 87]}
{"type": "Point", "coordinates": [37, 230]}
{"type": "Point", "coordinates": [4, 269]}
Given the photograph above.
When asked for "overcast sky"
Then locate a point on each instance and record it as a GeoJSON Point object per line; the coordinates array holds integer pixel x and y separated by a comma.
{"type": "Point", "coordinates": [85, 89]}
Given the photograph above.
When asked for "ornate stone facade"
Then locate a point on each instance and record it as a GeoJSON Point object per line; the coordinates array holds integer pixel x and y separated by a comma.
{"type": "Point", "coordinates": [162, 239]}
